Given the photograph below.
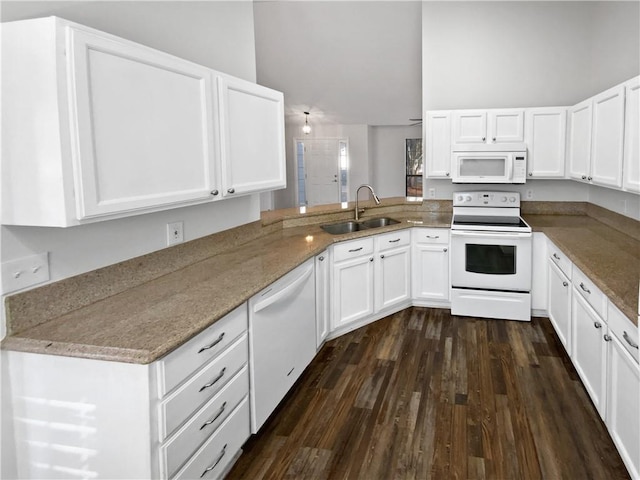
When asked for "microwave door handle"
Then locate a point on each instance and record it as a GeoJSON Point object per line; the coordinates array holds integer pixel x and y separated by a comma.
{"type": "Point", "coordinates": [510, 161]}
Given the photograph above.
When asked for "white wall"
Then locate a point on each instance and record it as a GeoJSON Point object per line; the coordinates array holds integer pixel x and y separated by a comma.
{"type": "Point", "coordinates": [388, 158]}
{"type": "Point", "coordinates": [216, 34]}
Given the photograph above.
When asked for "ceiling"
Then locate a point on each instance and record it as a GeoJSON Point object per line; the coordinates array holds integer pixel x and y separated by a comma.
{"type": "Point", "coordinates": [344, 62]}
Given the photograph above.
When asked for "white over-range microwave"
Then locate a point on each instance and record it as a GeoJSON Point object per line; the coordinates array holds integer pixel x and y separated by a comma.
{"type": "Point", "coordinates": [489, 163]}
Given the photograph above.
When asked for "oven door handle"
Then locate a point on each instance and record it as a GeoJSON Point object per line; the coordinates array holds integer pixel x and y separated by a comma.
{"type": "Point", "coordinates": [458, 233]}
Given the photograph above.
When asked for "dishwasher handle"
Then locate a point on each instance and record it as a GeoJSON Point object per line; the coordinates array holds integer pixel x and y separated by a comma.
{"type": "Point", "coordinates": [285, 292]}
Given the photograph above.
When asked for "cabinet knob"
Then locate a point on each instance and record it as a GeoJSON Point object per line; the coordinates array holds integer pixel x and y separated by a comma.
{"type": "Point", "coordinates": [447, 174]}
{"type": "Point", "coordinates": [589, 178]}
{"type": "Point", "coordinates": [494, 139]}
{"type": "Point", "coordinates": [321, 258]}
{"type": "Point", "coordinates": [530, 174]}
{"type": "Point", "coordinates": [584, 177]}
{"type": "Point", "coordinates": [607, 337]}
{"type": "Point", "coordinates": [214, 192]}
{"type": "Point", "coordinates": [444, 249]}
{"type": "Point", "coordinates": [565, 284]}
{"type": "Point", "coordinates": [371, 259]}
{"type": "Point", "coordinates": [484, 139]}
{"type": "Point", "coordinates": [597, 324]}
{"type": "Point", "coordinates": [231, 190]}
{"type": "Point", "coordinates": [381, 256]}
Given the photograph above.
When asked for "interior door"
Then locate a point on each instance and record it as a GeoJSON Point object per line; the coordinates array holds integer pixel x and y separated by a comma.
{"type": "Point", "coordinates": [321, 170]}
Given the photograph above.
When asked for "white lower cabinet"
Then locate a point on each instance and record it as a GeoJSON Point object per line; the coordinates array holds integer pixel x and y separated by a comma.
{"type": "Point", "coordinates": [430, 266]}
{"type": "Point", "coordinates": [102, 419]}
{"type": "Point", "coordinates": [392, 269]}
{"type": "Point", "coordinates": [560, 304]}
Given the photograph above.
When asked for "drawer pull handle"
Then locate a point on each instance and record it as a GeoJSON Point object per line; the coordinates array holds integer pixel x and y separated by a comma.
{"type": "Point", "coordinates": [209, 422]}
{"type": "Point", "coordinates": [556, 256]}
{"type": "Point", "coordinates": [215, 342]}
{"type": "Point", "coordinates": [607, 337]}
{"type": "Point", "coordinates": [597, 324]}
{"type": "Point", "coordinates": [394, 241]}
{"type": "Point", "coordinates": [565, 284]}
{"type": "Point", "coordinates": [207, 385]}
{"type": "Point", "coordinates": [433, 236]}
{"type": "Point", "coordinates": [215, 464]}
{"type": "Point", "coordinates": [355, 249]}
{"type": "Point", "coordinates": [626, 336]}
{"type": "Point", "coordinates": [584, 288]}
{"type": "Point", "coordinates": [291, 371]}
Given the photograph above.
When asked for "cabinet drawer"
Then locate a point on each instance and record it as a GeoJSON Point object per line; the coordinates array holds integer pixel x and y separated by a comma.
{"type": "Point", "coordinates": [180, 404]}
{"type": "Point", "coordinates": [560, 259]}
{"type": "Point", "coordinates": [391, 240]}
{"type": "Point", "coordinates": [213, 458]}
{"type": "Point", "coordinates": [622, 328]}
{"type": "Point", "coordinates": [177, 450]}
{"type": "Point", "coordinates": [352, 249]}
{"type": "Point", "coordinates": [430, 235]}
{"type": "Point", "coordinates": [590, 292]}
{"type": "Point", "coordinates": [179, 364]}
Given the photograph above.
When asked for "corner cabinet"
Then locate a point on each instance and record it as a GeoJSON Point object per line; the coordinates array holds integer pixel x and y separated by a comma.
{"type": "Point", "coordinates": [97, 127]}
{"type": "Point", "coordinates": [253, 144]}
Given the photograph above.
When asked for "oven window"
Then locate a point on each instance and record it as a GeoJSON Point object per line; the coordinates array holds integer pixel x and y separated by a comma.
{"type": "Point", "coordinates": [483, 167]}
{"type": "Point", "coordinates": [491, 259]}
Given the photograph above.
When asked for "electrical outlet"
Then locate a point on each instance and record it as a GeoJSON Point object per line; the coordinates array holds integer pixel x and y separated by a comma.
{"type": "Point", "coordinates": [432, 193]}
{"type": "Point", "coordinates": [529, 194]}
{"type": "Point", "coordinates": [175, 233]}
{"type": "Point", "coordinates": [25, 272]}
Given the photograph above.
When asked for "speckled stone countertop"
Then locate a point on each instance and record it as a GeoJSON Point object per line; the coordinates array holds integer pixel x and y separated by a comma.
{"type": "Point", "coordinates": [140, 323]}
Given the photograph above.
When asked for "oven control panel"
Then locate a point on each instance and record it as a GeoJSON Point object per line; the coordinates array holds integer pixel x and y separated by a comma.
{"type": "Point", "coordinates": [486, 199]}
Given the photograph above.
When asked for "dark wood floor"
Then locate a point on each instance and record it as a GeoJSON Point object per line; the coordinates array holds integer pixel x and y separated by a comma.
{"type": "Point", "coordinates": [423, 394]}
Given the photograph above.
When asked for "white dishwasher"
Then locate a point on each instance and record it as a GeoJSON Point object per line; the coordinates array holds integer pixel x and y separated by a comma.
{"type": "Point", "coordinates": [282, 338]}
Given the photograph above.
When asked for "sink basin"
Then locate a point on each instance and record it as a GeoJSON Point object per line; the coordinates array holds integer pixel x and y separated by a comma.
{"type": "Point", "coordinates": [351, 226]}
{"type": "Point", "coordinates": [344, 227]}
{"type": "Point", "coordinates": [379, 222]}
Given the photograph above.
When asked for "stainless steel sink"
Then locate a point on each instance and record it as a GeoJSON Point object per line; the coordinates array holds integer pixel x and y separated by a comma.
{"type": "Point", "coordinates": [351, 226]}
{"type": "Point", "coordinates": [379, 222]}
{"type": "Point", "coordinates": [344, 227]}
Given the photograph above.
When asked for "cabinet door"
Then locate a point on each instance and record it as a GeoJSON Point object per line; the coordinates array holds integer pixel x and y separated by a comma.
{"type": "Point", "coordinates": [579, 149]}
{"type": "Point", "coordinates": [323, 300]}
{"type": "Point", "coordinates": [142, 124]}
{"type": "Point", "coordinates": [608, 130]}
{"type": "Point", "coordinates": [506, 126]}
{"type": "Point", "coordinates": [470, 126]}
{"type": "Point", "coordinates": [431, 272]}
{"type": "Point", "coordinates": [560, 305]}
{"type": "Point", "coordinates": [252, 126]}
{"type": "Point", "coordinates": [545, 139]}
{"type": "Point", "coordinates": [352, 293]}
{"type": "Point", "coordinates": [631, 170]}
{"type": "Point", "coordinates": [589, 349]}
{"type": "Point", "coordinates": [623, 398]}
{"type": "Point", "coordinates": [438, 145]}
{"type": "Point", "coordinates": [393, 273]}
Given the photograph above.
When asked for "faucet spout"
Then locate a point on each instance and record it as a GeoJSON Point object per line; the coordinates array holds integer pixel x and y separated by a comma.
{"type": "Point", "coordinates": [373, 194]}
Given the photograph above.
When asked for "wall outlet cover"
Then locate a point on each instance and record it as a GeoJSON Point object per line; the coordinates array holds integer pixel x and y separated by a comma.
{"type": "Point", "coordinates": [24, 272]}
{"type": "Point", "coordinates": [175, 233]}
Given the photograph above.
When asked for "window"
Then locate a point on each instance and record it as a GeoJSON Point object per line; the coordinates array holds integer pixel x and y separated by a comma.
{"type": "Point", "coordinates": [413, 155]}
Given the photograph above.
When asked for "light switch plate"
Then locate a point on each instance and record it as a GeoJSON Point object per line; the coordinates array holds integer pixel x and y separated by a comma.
{"type": "Point", "coordinates": [25, 272]}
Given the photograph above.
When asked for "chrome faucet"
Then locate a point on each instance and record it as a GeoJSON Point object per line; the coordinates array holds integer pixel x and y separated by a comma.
{"type": "Point", "coordinates": [373, 194]}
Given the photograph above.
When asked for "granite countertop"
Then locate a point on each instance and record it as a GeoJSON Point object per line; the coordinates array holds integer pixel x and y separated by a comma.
{"type": "Point", "coordinates": [142, 323]}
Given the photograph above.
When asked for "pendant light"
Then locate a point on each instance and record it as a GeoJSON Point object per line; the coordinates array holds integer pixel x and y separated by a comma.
{"type": "Point", "coordinates": [306, 128]}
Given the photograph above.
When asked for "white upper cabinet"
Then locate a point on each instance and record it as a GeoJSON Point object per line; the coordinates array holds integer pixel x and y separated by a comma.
{"type": "Point", "coordinates": [631, 167]}
{"type": "Point", "coordinates": [98, 127]}
{"type": "Point", "coordinates": [608, 136]}
{"type": "Point", "coordinates": [545, 137]}
{"type": "Point", "coordinates": [141, 126]}
{"type": "Point", "coordinates": [488, 126]}
{"type": "Point", "coordinates": [438, 144]}
{"type": "Point", "coordinates": [253, 152]}
{"type": "Point", "coordinates": [580, 140]}
{"type": "Point", "coordinates": [596, 128]}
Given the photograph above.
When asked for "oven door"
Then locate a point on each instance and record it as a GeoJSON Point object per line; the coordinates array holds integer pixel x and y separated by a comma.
{"type": "Point", "coordinates": [491, 260]}
{"type": "Point", "coordinates": [482, 167]}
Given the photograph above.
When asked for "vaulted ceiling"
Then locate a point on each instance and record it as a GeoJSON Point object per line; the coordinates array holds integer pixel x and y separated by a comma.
{"type": "Point", "coordinates": [344, 62]}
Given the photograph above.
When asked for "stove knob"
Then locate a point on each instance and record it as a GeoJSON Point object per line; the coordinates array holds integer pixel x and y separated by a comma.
{"type": "Point", "coordinates": [459, 198]}
{"type": "Point", "coordinates": [467, 198]}
{"type": "Point", "coordinates": [503, 199]}
{"type": "Point", "coordinates": [512, 199]}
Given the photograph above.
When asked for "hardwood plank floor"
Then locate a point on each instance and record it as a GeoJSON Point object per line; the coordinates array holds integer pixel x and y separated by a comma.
{"type": "Point", "coordinates": [423, 394]}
